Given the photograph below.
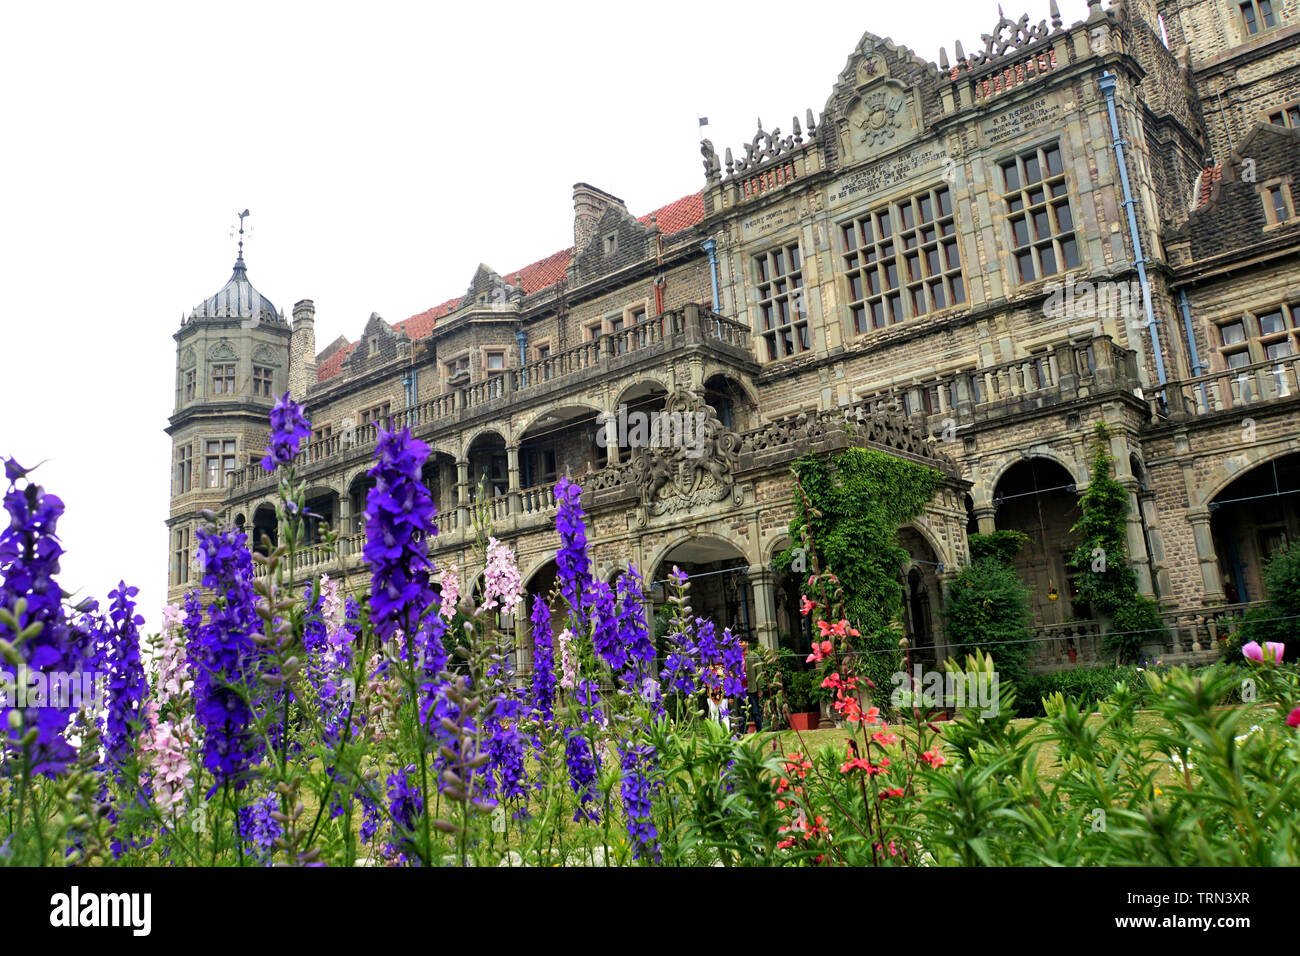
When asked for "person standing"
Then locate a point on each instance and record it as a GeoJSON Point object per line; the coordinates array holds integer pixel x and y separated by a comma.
{"type": "Point", "coordinates": [751, 686]}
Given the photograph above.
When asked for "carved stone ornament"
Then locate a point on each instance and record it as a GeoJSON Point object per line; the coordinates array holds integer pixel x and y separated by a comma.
{"type": "Point", "coordinates": [221, 352]}
{"type": "Point", "coordinates": [188, 358]}
{"type": "Point", "coordinates": [691, 459]}
{"type": "Point", "coordinates": [878, 117]}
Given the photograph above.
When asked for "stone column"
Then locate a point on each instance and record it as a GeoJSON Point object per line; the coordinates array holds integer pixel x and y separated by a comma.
{"type": "Point", "coordinates": [986, 515]}
{"type": "Point", "coordinates": [611, 438]}
{"type": "Point", "coordinates": [1211, 574]}
{"type": "Point", "coordinates": [1135, 539]}
{"type": "Point", "coordinates": [345, 524]}
{"type": "Point", "coordinates": [764, 584]}
{"type": "Point", "coordinates": [462, 493]}
{"type": "Point", "coordinates": [512, 471]}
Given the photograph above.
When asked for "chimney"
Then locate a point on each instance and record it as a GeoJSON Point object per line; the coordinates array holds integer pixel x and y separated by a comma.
{"type": "Point", "coordinates": [302, 349]}
{"type": "Point", "coordinates": [589, 204]}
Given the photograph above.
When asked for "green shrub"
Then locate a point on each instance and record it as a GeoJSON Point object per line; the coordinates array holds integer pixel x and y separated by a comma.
{"type": "Point", "coordinates": [1133, 625]}
{"type": "Point", "coordinates": [1087, 686]}
{"type": "Point", "coordinates": [1002, 546]}
{"type": "Point", "coordinates": [988, 609]}
{"type": "Point", "coordinates": [1279, 620]}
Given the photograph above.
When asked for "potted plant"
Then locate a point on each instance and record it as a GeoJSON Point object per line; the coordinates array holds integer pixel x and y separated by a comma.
{"type": "Point", "coordinates": [804, 714]}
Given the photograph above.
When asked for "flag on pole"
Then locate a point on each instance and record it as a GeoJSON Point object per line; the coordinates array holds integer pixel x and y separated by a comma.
{"type": "Point", "coordinates": [704, 121]}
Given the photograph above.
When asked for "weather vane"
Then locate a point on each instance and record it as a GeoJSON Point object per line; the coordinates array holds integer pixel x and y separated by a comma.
{"type": "Point", "coordinates": [242, 216]}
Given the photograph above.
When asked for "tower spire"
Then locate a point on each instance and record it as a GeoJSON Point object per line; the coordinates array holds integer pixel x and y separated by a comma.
{"type": "Point", "coordinates": [239, 258]}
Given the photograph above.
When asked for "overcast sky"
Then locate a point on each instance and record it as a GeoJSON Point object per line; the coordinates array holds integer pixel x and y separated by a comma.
{"type": "Point", "coordinates": [384, 150]}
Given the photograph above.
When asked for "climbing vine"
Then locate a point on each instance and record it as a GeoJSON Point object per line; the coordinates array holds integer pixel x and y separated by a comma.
{"type": "Point", "coordinates": [1107, 580]}
{"type": "Point", "coordinates": [849, 507]}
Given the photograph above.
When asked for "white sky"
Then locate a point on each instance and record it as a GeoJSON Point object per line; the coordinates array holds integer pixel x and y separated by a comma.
{"type": "Point", "coordinates": [384, 149]}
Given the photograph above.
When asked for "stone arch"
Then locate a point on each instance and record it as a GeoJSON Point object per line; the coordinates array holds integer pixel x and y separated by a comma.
{"type": "Point", "coordinates": [188, 358]}
{"type": "Point", "coordinates": [579, 402]}
{"type": "Point", "coordinates": [1253, 516]}
{"type": "Point", "coordinates": [1242, 464]}
{"type": "Point", "coordinates": [1034, 496]}
{"type": "Point", "coordinates": [501, 429]}
{"type": "Point", "coordinates": [642, 385]}
{"type": "Point", "coordinates": [1077, 470]}
{"type": "Point", "coordinates": [718, 566]}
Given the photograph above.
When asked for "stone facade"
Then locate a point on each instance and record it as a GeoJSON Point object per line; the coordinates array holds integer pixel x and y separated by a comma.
{"type": "Point", "coordinates": [969, 263]}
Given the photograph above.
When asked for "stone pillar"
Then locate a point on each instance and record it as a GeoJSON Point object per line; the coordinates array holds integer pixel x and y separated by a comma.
{"type": "Point", "coordinates": [512, 470]}
{"type": "Point", "coordinates": [1155, 546]}
{"type": "Point", "coordinates": [986, 515]}
{"type": "Point", "coordinates": [1211, 575]}
{"type": "Point", "coordinates": [462, 493]}
{"type": "Point", "coordinates": [1135, 539]}
{"type": "Point", "coordinates": [345, 524]}
{"type": "Point", "coordinates": [611, 438]}
{"type": "Point", "coordinates": [763, 582]}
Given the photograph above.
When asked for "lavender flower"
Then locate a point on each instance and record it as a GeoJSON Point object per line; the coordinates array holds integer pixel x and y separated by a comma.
{"type": "Point", "coordinates": [605, 636]}
{"type": "Point", "coordinates": [399, 521]}
{"type": "Point", "coordinates": [543, 660]}
{"type": "Point", "coordinates": [634, 633]}
{"type": "Point", "coordinates": [288, 428]}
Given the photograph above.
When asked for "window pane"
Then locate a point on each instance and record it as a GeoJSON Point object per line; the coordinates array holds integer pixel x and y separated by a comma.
{"type": "Point", "coordinates": [1054, 167]}
{"type": "Point", "coordinates": [1070, 252]}
{"type": "Point", "coordinates": [1010, 176]}
{"type": "Point", "coordinates": [1025, 261]}
{"type": "Point", "coordinates": [1032, 171]}
{"type": "Point", "coordinates": [1232, 333]}
{"type": "Point", "coordinates": [1271, 322]}
{"type": "Point", "coordinates": [1020, 231]}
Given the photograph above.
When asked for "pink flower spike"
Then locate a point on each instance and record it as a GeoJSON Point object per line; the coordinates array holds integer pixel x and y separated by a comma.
{"type": "Point", "coordinates": [1293, 718]}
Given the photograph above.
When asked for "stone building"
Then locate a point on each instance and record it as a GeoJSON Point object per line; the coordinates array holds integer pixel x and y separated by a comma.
{"type": "Point", "coordinates": [968, 263]}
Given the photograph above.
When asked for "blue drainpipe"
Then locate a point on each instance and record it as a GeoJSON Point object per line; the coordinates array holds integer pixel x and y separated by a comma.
{"type": "Point", "coordinates": [711, 247]}
{"type": "Point", "coordinates": [1197, 368]}
{"type": "Point", "coordinates": [521, 337]}
{"type": "Point", "coordinates": [1108, 83]}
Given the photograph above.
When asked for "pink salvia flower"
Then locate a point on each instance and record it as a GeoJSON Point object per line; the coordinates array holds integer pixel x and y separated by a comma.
{"type": "Point", "coordinates": [568, 660]}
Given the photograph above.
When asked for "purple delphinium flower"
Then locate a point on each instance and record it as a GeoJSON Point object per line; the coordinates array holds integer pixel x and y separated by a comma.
{"type": "Point", "coordinates": [634, 633]}
{"type": "Point", "coordinates": [399, 522]}
{"type": "Point", "coordinates": [126, 680]}
{"type": "Point", "coordinates": [587, 697]}
{"type": "Point", "coordinates": [258, 829]}
{"type": "Point", "coordinates": [288, 428]}
{"type": "Point", "coordinates": [732, 658]}
{"type": "Point", "coordinates": [605, 636]}
{"type": "Point", "coordinates": [405, 805]}
{"type": "Point", "coordinates": [572, 564]}
{"type": "Point", "coordinates": [582, 766]}
{"type": "Point", "coordinates": [638, 762]}
{"type": "Point", "coordinates": [29, 560]}
{"type": "Point", "coordinates": [505, 748]}
{"type": "Point", "coordinates": [224, 657]}
{"type": "Point", "coordinates": [543, 660]}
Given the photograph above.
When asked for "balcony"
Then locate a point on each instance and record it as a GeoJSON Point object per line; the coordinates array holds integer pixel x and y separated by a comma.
{"type": "Point", "coordinates": [1071, 371]}
{"type": "Point", "coordinates": [1235, 390]}
{"type": "Point", "coordinates": [644, 344]}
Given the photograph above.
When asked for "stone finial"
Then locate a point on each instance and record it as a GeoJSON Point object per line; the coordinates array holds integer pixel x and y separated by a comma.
{"type": "Point", "coordinates": [811, 123]}
{"type": "Point", "coordinates": [959, 53]}
{"type": "Point", "coordinates": [943, 60]}
{"type": "Point", "coordinates": [798, 133]}
{"type": "Point", "coordinates": [1056, 15]}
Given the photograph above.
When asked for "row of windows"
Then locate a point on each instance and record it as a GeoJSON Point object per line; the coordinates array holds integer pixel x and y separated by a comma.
{"type": "Point", "coordinates": [902, 260]}
{"type": "Point", "coordinates": [1261, 336]}
{"type": "Point", "coordinates": [223, 381]}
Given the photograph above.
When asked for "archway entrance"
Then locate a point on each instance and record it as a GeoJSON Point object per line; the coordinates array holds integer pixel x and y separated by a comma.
{"type": "Point", "coordinates": [719, 581]}
{"type": "Point", "coordinates": [1252, 519]}
{"type": "Point", "coordinates": [921, 597]}
{"type": "Point", "coordinates": [1037, 497]}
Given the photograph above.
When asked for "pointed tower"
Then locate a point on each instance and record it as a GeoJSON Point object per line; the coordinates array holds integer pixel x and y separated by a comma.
{"type": "Point", "coordinates": [232, 359]}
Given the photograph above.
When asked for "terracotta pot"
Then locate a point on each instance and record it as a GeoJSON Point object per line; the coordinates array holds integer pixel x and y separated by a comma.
{"type": "Point", "coordinates": [805, 721]}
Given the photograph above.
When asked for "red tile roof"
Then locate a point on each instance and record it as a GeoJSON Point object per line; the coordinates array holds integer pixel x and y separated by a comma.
{"type": "Point", "coordinates": [674, 217]}
{"type": "Point", "coordinates": [1209, 177]}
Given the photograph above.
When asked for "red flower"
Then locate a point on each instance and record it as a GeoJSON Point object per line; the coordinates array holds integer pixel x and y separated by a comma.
{"type": "Point", "coordinates": [886, 739]}
{"type": "Point", "coordinates": [934, 758]}
{"type": "Point", "coordinates": [862, 763]}
{"type": "Point", "coordinates": [805, 605]}
{"type": "Point", "coordinates": [1293, 718]}
{"type": "Point", "coordinates": [886, 794]}
{"type": "Point", "coordinates": [819, 652]}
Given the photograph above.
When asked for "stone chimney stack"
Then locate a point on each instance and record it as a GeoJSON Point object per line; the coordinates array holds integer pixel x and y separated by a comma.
{"type": "Point", "coordinates": [302, 349]}
{"type": "Point", "coordinates": [589, 204]}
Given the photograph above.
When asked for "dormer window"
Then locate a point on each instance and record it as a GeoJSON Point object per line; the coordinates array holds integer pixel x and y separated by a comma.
{"type": "Point", "coordinates": [611, 243]}
{"type": "Point", "coordinates": [1288, 116]}
{"type": "Point", "coordinates": [1258, 15]}
{"type": "Point", "coordinates": [373, 345]}
{"type": "Point", "coordinates": [1277, 203]}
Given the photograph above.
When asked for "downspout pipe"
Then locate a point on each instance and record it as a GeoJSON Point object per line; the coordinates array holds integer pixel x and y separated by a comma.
{"type": "Point", "coordinates": [711, 247]}
{"type": "Point", "coordinates": [521, 339]}
{"type": "Point", "coordinates": [1198, 369]}
{"type": "Point", "coordinates": [1107, 83]}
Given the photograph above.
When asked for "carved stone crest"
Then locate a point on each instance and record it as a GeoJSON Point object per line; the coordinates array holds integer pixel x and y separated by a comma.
{"type": "Point", "coordinates": [691, 459]}
{"type": "Point", "coordinates": [878, 117]}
